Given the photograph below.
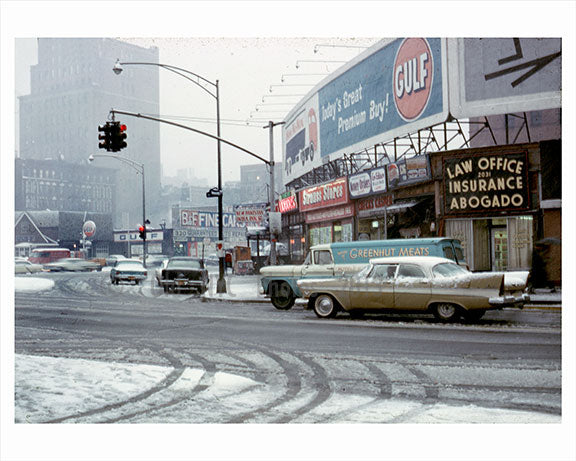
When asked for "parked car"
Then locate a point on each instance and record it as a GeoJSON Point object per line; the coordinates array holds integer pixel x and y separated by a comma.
{"type": "Point", "coordinates": [346, 258]}
{"type": "Point", "coordinates": [425, 284]}
{"type": "Point", "coordinates": [128, 270]}
{"type": "Point", "coordinates": [212, 260]}
{"type": "Point", "coordinates": [23, 266]}
{"type": "Point", "coordinates": [184, 273]}
{"type": "Point", "coordinates": [158, 272]}
{"type": "Point", "coordinates": [155, 260]}
{"type": "Point", "coordinates": [111, 260]}
{"type": "Point", "coordinates": [72, 265]}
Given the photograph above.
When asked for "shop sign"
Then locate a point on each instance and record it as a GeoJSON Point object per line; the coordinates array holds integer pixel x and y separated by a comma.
{"type": "Point", "coordinates": [194, 218]}
{"type": "Point", "coordinates": [330, 214]}
{"type": "Point", "coordinates": [287, 202]}
{"type": "Point", "coordinates": [331, 194]}
{"type": "Point", "coordinates": [252, 214]}
{"type": "Point", "coordinates": [198, 234]}
{"type": "Point", "coordinates": [367, 182]}
{"type": "Point", "coordinates": [134, 237]}
{"type": "Point", "coordinates": [408, 171]}
{"type": "Point", "coordinates": [481, 183]}
{"type": "Point", "coordinates": [372, 206]}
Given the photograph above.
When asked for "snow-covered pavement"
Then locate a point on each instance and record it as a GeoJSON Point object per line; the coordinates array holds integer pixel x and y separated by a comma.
{"type": "Point", "coordinates": [51, 389]}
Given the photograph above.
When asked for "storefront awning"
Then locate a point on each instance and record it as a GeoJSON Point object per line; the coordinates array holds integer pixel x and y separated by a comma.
{"type": "Point", "coordinates": [401, 207]}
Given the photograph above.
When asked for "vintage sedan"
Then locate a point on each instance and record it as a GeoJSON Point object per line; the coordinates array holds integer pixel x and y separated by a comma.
{"type": "Point", "coordinates": [23, 266]}
{"type": "Point", "coordinates": [128, 270]}
{"type": "Point", "coordinates": [184, 273]}
{"type": "Point", "coordinates": [72, 265]}
{"type": "Point", "coordinates": [426, 284]}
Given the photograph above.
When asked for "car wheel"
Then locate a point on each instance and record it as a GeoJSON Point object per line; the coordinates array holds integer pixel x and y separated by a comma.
{"type": "Point", "coordinates": [475, 315]}
{"type": "Point", "coordinates": [325, 306]}
{"type": "Point", "coordinates": [165, 289]}
{"type": "Point", "coordinates": [446, 312]}
{"type": "Point", "coordinates": [282, 296]}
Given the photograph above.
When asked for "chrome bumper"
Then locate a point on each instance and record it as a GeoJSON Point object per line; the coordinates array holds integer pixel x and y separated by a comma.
{"type": "Point", "coordinates": [512, 301]}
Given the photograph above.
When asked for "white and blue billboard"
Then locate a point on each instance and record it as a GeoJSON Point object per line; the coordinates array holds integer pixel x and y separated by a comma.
{"type": "Point", "coordinates": [394, 88]}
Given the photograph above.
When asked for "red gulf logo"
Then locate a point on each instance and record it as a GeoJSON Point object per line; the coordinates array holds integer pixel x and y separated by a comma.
{"type": "Point", "coordinates": [413, 74]}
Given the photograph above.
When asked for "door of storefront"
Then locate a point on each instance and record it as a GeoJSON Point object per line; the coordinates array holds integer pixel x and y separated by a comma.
{"type": "Point", "coordinates": [499, 247]}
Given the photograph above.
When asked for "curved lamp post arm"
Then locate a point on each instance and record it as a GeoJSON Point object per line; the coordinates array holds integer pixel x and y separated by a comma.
{"type": "Point", "coordinates": [139, 167]}
{"type": "Point", "coordinates": [177, 70]}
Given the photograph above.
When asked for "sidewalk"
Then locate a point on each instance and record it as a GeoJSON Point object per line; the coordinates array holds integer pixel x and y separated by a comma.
{"type": "Point", "coordinates": [245, 288]}
{"type": "Point", "coordinates": [545, 299]}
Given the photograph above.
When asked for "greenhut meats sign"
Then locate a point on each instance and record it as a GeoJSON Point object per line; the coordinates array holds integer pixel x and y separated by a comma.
{"type": "Point", "coordinates": [482, 183]}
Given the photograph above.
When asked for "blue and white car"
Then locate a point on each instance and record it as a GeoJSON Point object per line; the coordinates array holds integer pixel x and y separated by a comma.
{"type": "Point", "coordinates": [128, 270]}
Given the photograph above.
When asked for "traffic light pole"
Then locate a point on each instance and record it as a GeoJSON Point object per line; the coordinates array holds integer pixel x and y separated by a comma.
{"type": "Point", "coordinates": [139, 167]}
{"type": "Point", "coordinates": [221, 284]}
{"type": "Point", "coordinates": [144, 218]}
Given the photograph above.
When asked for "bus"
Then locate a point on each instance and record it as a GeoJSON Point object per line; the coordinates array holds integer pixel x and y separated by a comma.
{"type": "Point", "coordinates": [47, 255]}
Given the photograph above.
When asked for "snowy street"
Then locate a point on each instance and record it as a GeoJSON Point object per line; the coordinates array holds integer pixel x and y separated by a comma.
{"type": "Point", "coordinates": [90, 352]}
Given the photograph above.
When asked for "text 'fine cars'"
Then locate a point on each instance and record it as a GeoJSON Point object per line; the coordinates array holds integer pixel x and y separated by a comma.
{"type": "Point", "coordinates": [184, 273]}
{"type": "Point", "coordinates": [409, 284]}
{"type": "Point", "coordinates": [128, 270]}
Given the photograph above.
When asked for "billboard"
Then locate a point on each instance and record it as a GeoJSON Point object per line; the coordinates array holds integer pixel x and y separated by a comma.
{"type": "Point", "coordinates": [395, 87]}
{"type": "Point", "coordinates": [491, 76]}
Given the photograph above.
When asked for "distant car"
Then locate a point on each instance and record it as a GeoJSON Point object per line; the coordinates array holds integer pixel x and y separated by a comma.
{"type": "Point", "coordinates": [23, 266]}
{"type": "Point", "coordinates": [112, 259]}
{"type": "Point", "coordinates": [212, 260]}
{"type": "Point", "coordinates": [425, 284]}
{"type": "Point", "coordinates": [72, 265]}
{"type": "Point", "coordinates": [281, 249]}
{"type": "Point", "coordinates": [128, 270]}
{"type": "Point", "coordinates": [155, 260]}
{"type": "Point", "coordinates": [184, 273]}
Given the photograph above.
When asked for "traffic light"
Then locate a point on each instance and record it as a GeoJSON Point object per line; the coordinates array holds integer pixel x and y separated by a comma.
{"type": "Point", "coordinates": [117, 136]}
{"type": "Point", "coordinates": [142, 230]}
{"type": "Point", "coordinates": [105, 137]}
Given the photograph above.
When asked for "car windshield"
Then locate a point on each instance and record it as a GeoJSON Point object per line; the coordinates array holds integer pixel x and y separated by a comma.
{"type": "Point", "coordinates": [446, 270]}
{"type": "Point", "coordinates": [184, 264]}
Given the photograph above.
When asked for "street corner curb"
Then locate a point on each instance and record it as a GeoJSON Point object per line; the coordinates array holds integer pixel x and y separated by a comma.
{"type": "Point", "coordinates": [234, 300]}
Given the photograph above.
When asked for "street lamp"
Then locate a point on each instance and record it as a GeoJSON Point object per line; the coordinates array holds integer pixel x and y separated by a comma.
{"type": "Point", "coordinates": [139, 167]}
{"type": "Point", "coordinates": [213, 90]}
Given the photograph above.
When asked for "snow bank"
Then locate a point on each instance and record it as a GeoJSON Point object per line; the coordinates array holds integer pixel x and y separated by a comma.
{"type": "Point", "coordinates": [32, 284]}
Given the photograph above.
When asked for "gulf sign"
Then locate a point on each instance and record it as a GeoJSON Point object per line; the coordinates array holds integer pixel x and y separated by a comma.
{"type": "Point", "coordinates": [413, 77]}
{"type": "Point", "coordinates": [89, 229]}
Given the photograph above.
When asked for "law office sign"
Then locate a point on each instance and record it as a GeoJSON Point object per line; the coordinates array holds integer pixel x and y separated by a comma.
{"type": "Point", "coordinates": [486, 183]}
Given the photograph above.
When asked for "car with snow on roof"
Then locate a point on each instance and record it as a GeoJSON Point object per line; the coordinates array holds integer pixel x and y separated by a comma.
{"type": "Point", "coordinates": [346, 258]}
{"type": "Point", "coordinates": [128, 270]}
{"type": "Point", "coordinates": [184, 273]}
{"type": "Point", "coordinates": [415, 284]}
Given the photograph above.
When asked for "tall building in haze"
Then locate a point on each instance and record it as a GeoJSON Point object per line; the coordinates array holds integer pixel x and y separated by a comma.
{"type": "Point", "coordinates": [72, 89]}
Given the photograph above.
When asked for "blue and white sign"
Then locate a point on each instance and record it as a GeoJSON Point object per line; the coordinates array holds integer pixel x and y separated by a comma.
{"type": "Point", "coordinates": [367, 183]}
{"type": "Point", "coordinates": [394, 88]}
